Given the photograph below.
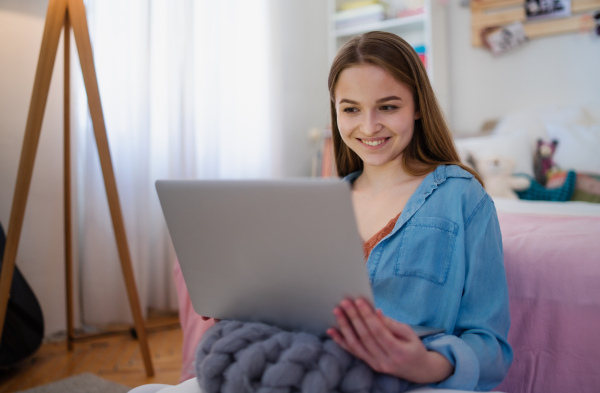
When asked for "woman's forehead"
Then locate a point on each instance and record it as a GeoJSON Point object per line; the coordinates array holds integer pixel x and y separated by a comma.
{"type": "Point", "coordinates": [367, 81]}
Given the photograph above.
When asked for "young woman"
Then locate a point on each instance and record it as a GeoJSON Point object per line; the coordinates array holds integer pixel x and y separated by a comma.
{"type": "Point", "coordinates": [432, 239]}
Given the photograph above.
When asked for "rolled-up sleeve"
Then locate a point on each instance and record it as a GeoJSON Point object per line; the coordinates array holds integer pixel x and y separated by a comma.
{"type": "Point", "coordinates": [479, 350]}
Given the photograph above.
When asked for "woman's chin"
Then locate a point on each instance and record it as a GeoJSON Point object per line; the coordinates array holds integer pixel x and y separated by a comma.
{"type": "Point", "coordinates": [382, 162]}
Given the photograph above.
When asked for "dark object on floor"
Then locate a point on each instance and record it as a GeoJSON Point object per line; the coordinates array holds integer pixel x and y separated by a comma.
{"type": "Point", "coordinates": [24, 324]}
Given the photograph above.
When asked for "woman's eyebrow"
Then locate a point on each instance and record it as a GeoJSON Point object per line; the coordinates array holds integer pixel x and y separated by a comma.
{"type": "Point", "coordinates": [348, 101]}
{"type": "Point", "coordinates": [379, 101]}
{"type": "Point", "coordinates": [390, 98]}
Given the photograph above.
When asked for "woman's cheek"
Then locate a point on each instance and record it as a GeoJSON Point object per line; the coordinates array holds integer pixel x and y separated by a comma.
{"type": "Point", "coordinates": [344, 124]}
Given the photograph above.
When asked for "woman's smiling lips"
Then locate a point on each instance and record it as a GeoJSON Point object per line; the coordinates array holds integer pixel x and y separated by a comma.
{"type": "Point", "coordinates": [374, 143]}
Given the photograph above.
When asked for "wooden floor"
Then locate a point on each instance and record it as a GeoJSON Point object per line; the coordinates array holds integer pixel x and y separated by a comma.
{"type": "Point", "coordinates": [116, 358]}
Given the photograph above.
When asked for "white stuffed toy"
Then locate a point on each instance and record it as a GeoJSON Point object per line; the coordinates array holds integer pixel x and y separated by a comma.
{"type": "Point", "coordinates": [497, 174]}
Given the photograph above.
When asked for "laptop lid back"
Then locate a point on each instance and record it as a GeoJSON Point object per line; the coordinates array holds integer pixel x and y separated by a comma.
{"type": "Point", "coordinates": [284, 252]}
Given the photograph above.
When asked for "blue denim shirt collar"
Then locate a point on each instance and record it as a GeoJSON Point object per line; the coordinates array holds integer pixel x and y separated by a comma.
{"type": "Point", "coordinates": [431, 182]}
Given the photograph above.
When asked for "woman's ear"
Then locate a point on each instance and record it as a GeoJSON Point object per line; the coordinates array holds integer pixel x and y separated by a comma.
{"type": "Point", "coordinates": [417, 115]}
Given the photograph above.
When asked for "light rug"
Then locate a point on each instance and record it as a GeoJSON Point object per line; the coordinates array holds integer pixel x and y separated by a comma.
{"type": "Point", "coordinates": [82, 383]}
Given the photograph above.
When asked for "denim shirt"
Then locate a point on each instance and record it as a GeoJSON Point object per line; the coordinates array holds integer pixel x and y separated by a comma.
{"type": "Point", "coordinates": [442, 265]}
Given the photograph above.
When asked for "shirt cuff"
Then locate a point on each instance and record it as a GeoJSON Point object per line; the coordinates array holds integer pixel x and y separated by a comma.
{"type": "Point", "coordinates": [462, 357]}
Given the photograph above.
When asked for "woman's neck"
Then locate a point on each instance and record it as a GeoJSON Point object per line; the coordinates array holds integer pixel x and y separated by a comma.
{"type": "Point", "coordinates": [383, 177]}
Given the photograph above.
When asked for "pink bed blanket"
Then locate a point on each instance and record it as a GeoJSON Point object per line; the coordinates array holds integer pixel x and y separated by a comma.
{"type": "Point", "coordinates": [553, 273]}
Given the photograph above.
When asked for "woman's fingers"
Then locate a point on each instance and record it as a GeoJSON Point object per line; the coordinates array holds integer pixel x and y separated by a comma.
{"type": "Point", "coordinates": [359, 327]}
{"type": "Point", "coordinates": [396, 339]}
{"type": "Point", "coordinates": [348, 333]}
{"type": "Point", "coordinates": [337, 337]}
{"type": "Point", "coordinates": [386, 345]}
{"type": "Point", "coordinates": [379, 332]}
{"type": "Point", "coordinates": [400, 330]}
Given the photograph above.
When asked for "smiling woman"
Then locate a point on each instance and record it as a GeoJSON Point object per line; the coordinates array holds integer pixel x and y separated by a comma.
{"type": "Point", "coordinates": [437, 255]}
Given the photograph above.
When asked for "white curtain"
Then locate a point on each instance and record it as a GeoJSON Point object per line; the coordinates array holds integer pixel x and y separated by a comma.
{"type": "Point", "coordinates": [186, 89]}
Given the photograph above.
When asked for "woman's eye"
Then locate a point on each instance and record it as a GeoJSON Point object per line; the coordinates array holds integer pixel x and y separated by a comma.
{"type": "Point", "coordinates": [388, 107]}
{"type": "Point", "coordinates": [350, 110]}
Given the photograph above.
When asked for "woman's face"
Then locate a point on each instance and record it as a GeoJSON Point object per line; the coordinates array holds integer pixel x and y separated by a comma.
{"type": "Point", "coordinates": [375, 114]}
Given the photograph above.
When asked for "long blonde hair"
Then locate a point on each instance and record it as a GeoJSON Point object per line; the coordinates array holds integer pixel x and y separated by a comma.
{"type": "Point", "coordinates": [431, 144]}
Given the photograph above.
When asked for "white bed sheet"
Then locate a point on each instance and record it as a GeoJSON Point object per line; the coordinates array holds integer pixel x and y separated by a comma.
{"type": "Point", "coordinates": [571, 208]}
{"type": "Point", "coordinates": [191, 386]}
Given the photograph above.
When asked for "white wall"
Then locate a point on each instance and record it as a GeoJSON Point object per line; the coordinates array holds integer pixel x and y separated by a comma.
{"type": "Point", "coordinates": [303, 71]}
{"type": "Point", "coordinates": [562, 69]}
{"type": "Point", "coordinates": [40, 255]}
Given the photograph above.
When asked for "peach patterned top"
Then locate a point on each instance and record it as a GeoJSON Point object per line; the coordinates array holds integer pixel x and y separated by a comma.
{"type": "Point", "coordinates": [372, 242]}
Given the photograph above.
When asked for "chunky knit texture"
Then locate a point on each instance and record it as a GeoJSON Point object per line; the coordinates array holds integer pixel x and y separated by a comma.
{"type": "Point", "coordinates": [237, 357]}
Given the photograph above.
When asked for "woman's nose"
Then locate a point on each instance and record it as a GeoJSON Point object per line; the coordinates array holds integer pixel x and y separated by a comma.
{"type": "Point", "coordinates": [371, 124]}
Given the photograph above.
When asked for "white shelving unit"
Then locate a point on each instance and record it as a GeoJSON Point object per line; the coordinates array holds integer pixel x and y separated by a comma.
{"type": "Point", "coordinates": [409, 23]}
{"type": "Point", "coordinates": [427, 29]}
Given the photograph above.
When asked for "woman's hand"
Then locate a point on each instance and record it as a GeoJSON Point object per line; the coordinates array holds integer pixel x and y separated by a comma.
{"type": "Point", "coordinates": [387, 346]}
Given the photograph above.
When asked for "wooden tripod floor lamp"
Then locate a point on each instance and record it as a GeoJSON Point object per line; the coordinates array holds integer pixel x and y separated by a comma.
{"type": "Point", "coordinates": [66, 13]}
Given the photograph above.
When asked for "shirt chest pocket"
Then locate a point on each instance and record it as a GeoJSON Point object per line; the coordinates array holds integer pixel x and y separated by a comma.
{"type": "Point", "coordinates": [426, 249]}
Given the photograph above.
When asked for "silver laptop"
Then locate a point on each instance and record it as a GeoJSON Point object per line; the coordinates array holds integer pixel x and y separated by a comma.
{"type": "Point", "coordinates": [283, 252]}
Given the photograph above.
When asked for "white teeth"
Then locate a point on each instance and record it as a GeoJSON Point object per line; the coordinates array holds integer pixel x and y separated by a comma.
{"type": "Point", "coordinates": [373, 143]}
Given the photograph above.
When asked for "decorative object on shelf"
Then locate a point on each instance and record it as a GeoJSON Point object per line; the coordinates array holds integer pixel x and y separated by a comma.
{"type": "Point", "coordinates": [348, 5]}
{"type": "Point", "coordinates": [544, 9]}
{"type": "Point", "coordinates": [323, 162]}
{"type": "Point", "coordinates": [500, 40]}
{"type": "Point", "coordinates": [498, 13]}
{"type": "Point", "coordinates": [422, 52]}
{"type": "Point", "coordinates": [405, 8]}
{"type": "Point", "coordinates": [360, 13]}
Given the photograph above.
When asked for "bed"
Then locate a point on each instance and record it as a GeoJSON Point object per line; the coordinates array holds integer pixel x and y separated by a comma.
{"type": "Point", "coordinates": [552, 259]}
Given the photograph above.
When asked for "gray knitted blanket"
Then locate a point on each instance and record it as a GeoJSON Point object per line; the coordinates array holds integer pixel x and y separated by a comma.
{"type": "Point", "coordinates": [237, 357]}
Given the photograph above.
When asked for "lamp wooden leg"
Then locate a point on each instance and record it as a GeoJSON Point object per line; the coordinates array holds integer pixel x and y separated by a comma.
{"type": "Point", "coordinates": [82, 39]}
{"type": "Point", "coordinates": [54, 23]}
{"type": "Point", "coordinates": [67, 184]}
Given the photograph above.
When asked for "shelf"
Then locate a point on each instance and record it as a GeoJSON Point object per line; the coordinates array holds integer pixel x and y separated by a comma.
{"type": "Point", "coordinates": [408, 21]}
